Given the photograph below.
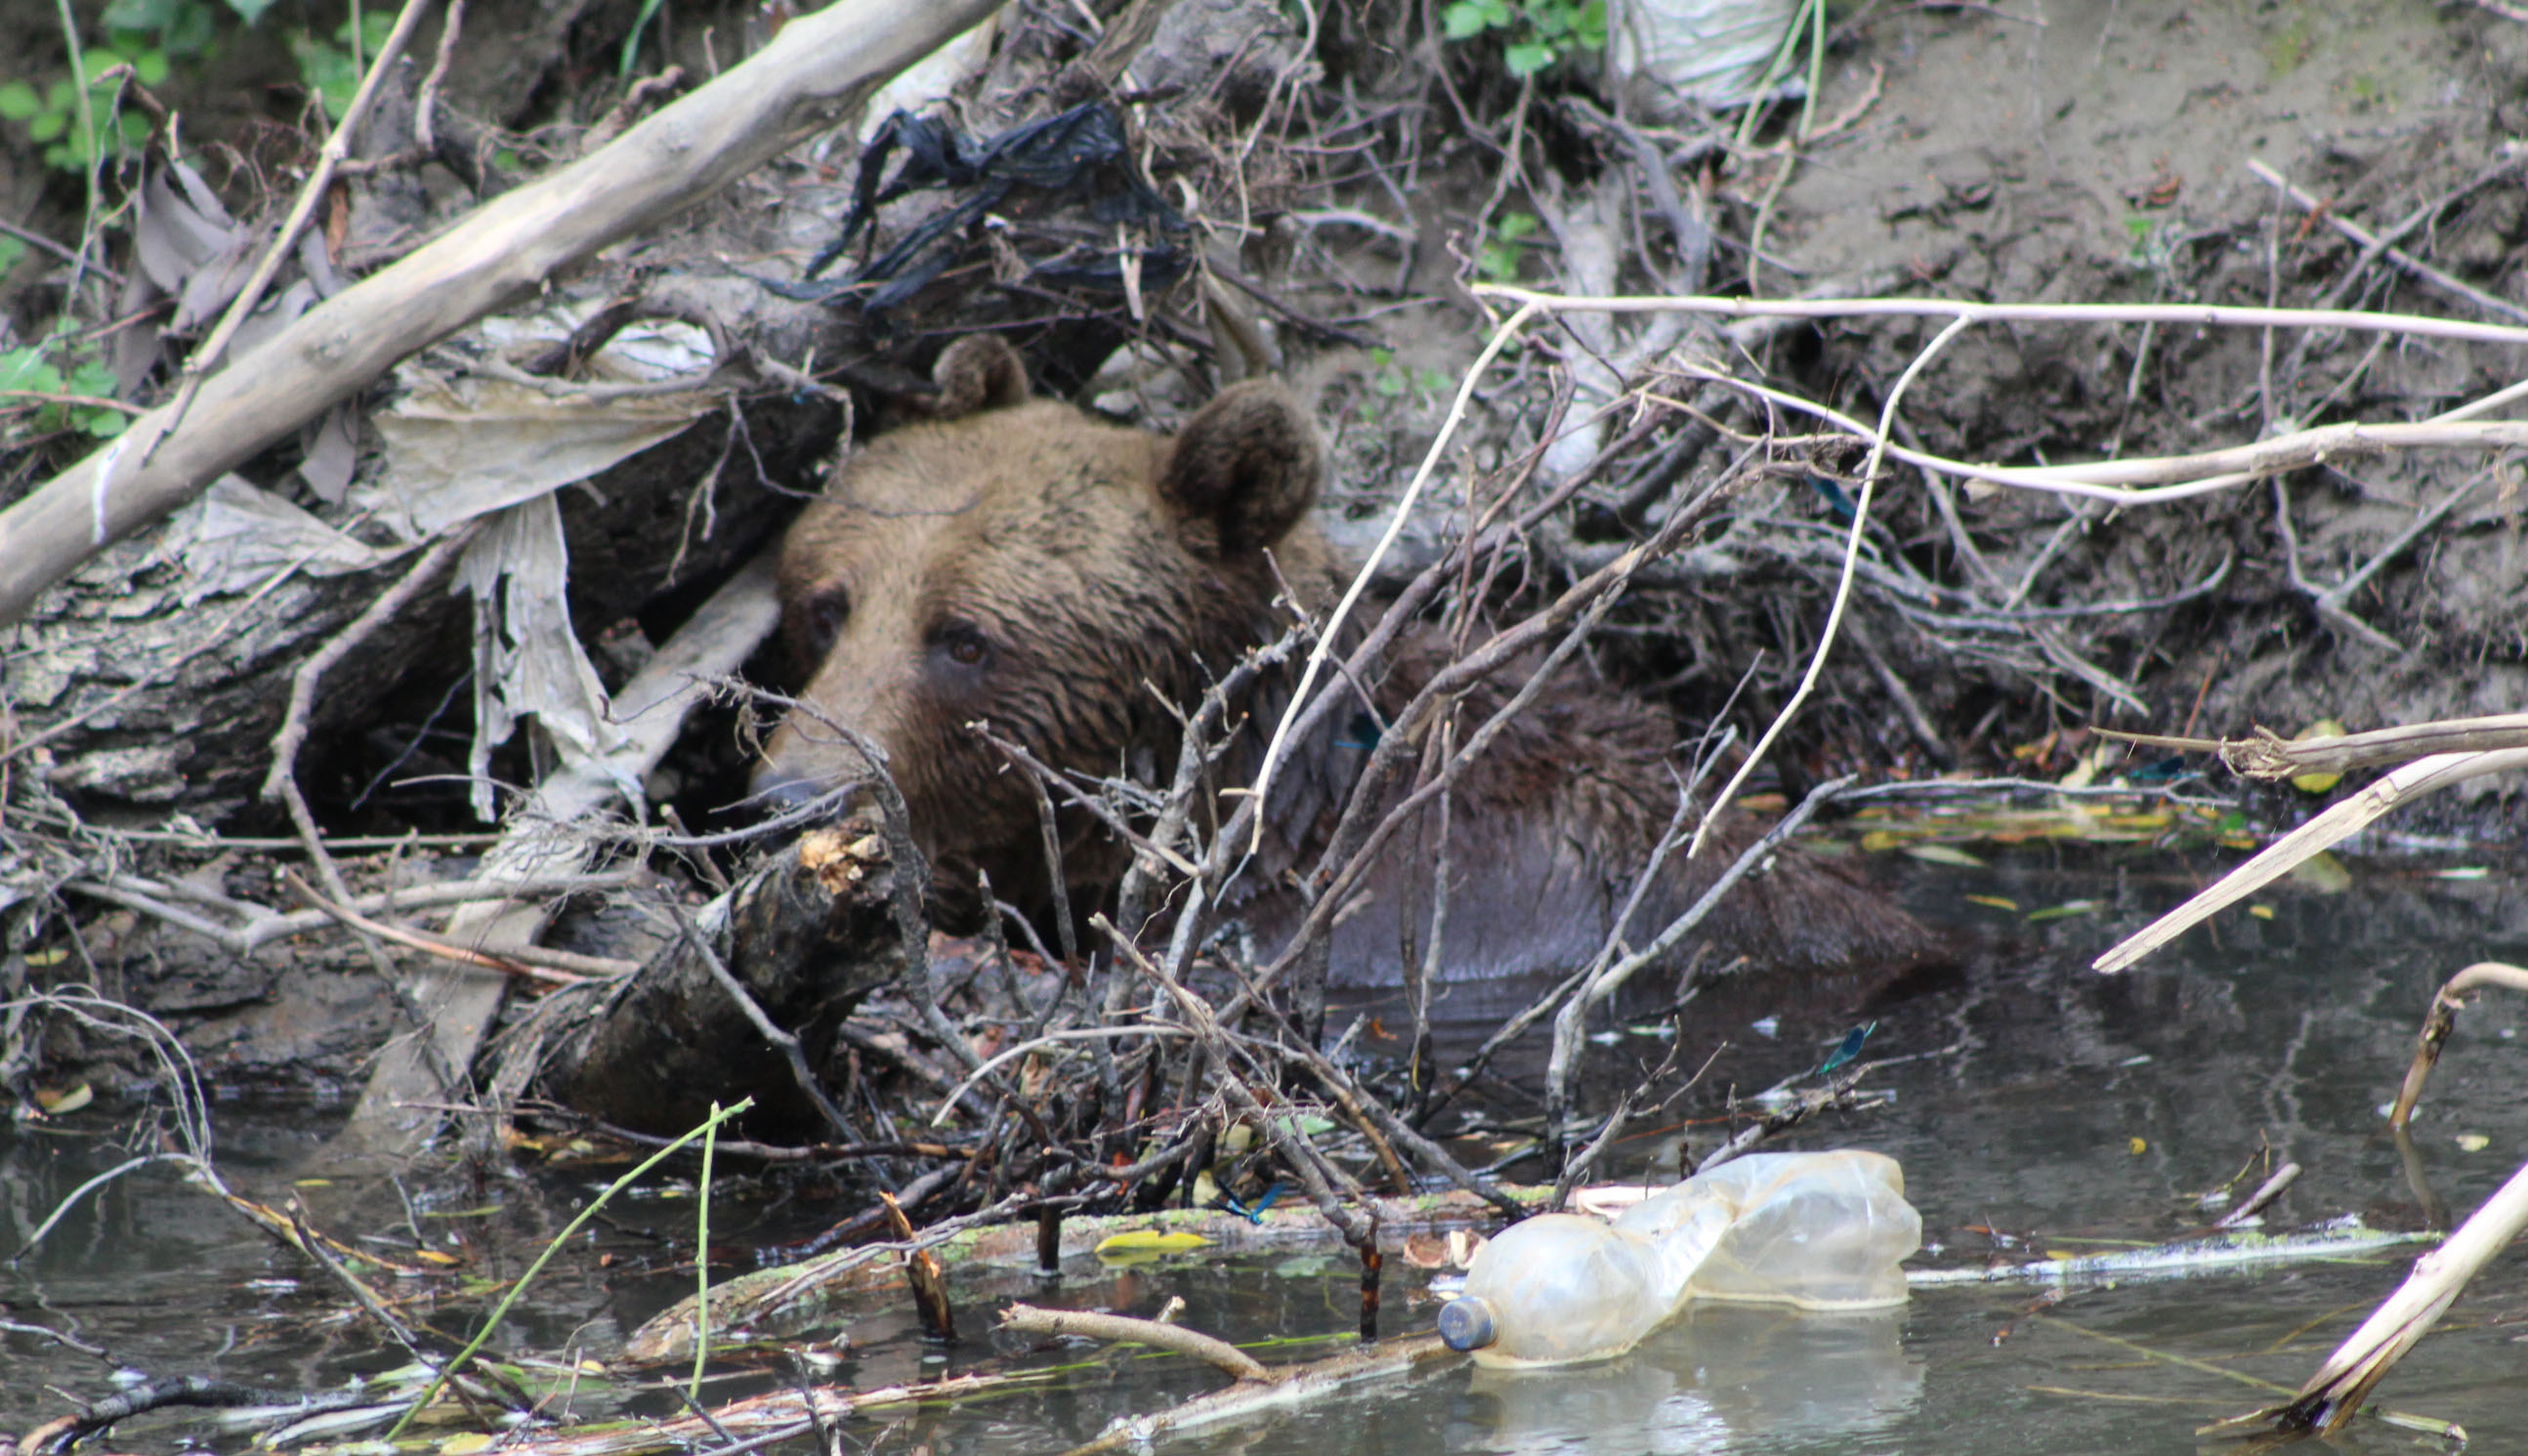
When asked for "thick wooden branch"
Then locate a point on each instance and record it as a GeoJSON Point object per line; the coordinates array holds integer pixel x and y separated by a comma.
{"type": "Point", "coordinates": [811, 76]}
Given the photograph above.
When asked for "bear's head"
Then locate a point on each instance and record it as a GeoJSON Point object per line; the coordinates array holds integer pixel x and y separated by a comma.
{"type": "Point", "coordinates": [1071, 584]}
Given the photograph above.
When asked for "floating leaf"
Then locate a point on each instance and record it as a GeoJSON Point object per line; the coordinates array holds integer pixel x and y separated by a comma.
{"type": "Point", "coordinates": [2260, 912]}
{"type": "Point", "coordinates": [2137, 1146]}
{"type": "Point", "coordinates": [2065, 911]}
{"type": "Point", "coordinates": [2472, 1142]}
{"type": "Point", "coordinates": [1943, 854]}
{"type": "Point", "coordinates": [68, 1101]}
{"type": "Point", "coordinates": [1148, 1243]}
{"type": "Point", "coordinates": [1994, 900]}
{"type": "Point", "coordinates": [2461, 872]}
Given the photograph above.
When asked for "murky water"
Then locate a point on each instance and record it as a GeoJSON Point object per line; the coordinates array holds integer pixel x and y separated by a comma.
{"type": "Point", "coordinates": [2048, 1110]}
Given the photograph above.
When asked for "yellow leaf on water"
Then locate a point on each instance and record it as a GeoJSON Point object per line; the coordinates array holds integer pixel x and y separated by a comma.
{"type": "Point", "coordinates": [1994, 900]}
{"type": "Point", "coordinates": [1144, 1242]}
{"type": "Point", "coordinates": [70, 1101]}
{"type": "Point", "coordinates": [467, 1443]}
{"type": "Point", "coordinates": [1943, 854]}
{"type": "Point", "coordinates": [2261, 912]}
{"type": "Point", "coordinates": [2473, 1142]}
{"type": "Point", "coordinates": [2138, 1146]}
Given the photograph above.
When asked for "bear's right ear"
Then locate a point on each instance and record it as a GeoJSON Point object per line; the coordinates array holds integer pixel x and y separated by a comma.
{"type": "Point", "coordinates": [1247, 466]}
{"type": "Point", "coordinates": [977, 373]}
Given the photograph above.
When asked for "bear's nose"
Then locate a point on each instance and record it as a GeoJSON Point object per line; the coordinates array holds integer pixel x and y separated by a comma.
{"type": "Point", "coordinates": [782, 792]}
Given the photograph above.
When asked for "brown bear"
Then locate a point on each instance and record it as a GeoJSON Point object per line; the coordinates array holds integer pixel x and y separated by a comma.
{"type": "Point", "coordinates": [1076, 585]}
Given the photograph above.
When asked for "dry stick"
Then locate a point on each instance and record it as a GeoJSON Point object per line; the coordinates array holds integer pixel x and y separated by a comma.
{"type": "Point", "coordinates": [264, 926]}
{"type": "Point", "coordinates": [310, 194]}
{"type": "Point", "coordinates": [2441, 1021]}
{"type": "Point", "coordinates": [1869, 475]}
{"type": "Point", "coordinates": [2375, 246]}
{"type": "Point", "coordinates": [1531, 301]}
{"type": "Point", "coordinates": [281, 782]}
{"type": "Point", "coordinates": [2342, 591]}
{"type": "Point", "coordinates": [2338, 1390]}
{"type": "Point", "coordinates": [1570, 1024]}
{"type": "Point", "coordinates": [1306, 1163]}
{"type": "Point", "coordinates": [2271, 1189]}
{"type": "Point", "coordinates": [814, 71]}
{"type": "Point", "coordinates": [527, 963]}
{"type": "Point", "coordinates": [1333, 628]}
{"type": "Point", "coordinates": [1347, 855]}
{"type": "Point", "coordinates": [1613, 945]}
{"type": "Point", "coordinates": [2328, 604]}
{"type": "Point", "coordinates": [1389, 1364]}
{"type": "Point", "coordinates": [2415, 779]}
{"type": "Point", "coordinates": [1228, 1359]}
{"type": "Point", "coordinates": [425, 128]}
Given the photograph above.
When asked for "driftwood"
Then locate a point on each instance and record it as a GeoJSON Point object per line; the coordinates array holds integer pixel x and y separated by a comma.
{"type": "Point", "coordinates": [808, 935]}
{"type": "Point", "coordinates": [810, 77]}
{"type": "Point", "coordinates": [456, 1003]}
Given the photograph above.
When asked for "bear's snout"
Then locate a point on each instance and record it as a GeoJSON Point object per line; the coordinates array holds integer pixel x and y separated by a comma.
{"type": "Point", "coordinates": [782, 790]}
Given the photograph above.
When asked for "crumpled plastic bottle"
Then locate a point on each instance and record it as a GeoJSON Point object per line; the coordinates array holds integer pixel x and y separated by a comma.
{"type": "Point", "coordinates": [1816, 1231]}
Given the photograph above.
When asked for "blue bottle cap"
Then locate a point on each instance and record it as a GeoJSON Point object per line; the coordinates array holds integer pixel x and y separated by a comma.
{"type": "Point", "coordinates": [1467, 1324]}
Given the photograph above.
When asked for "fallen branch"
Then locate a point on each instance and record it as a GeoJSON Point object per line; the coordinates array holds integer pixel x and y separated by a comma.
{"type": "Point", "coordinates": [808, 77]}
{"type": "Point", "coordinates": [1387, 1362]}
{"type": "Point", "coordinates": [2441, 1021]}
{"type": "Point", "coordinates": [2415, 779]}
{"type": "Point", "coordinates": [1227, 1358]}
{"type": "Point", "coordinates": [2336, 1391]}
{"type": "Point", "coordinates": [2266, 754]}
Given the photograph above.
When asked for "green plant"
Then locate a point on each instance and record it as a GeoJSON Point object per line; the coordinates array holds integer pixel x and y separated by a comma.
{"type": "Point", "coordinates": [51, 115]}
{"type": "Point", "coordinates": [1537, 32]}
{"type": "Point", "coordinates": [330, 70]}
{"type": "Point", "coordinates": [27, 378]}
{"type": "Point", "coordinates": [1497, 259]}
{"type": "Point", "coordinates": [149, 36]}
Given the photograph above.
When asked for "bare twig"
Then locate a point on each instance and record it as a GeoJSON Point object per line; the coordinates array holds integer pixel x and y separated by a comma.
{"type": "Point", "coordinates": [1228, 1359]}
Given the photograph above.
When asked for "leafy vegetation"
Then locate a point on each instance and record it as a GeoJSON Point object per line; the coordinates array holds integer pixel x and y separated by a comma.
{"type": "Point", "coordinates": [1537, 32]}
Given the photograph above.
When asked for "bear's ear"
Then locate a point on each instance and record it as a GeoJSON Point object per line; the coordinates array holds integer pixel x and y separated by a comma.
{"type": "Point", "coordinates": [977, 373]}
{"type": "Point", "coordinates": [1248, 465]}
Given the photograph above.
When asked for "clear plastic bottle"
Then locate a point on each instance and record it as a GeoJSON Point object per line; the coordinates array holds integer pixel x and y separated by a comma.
{"type": "Point", "coordinates": [1816, 1231]}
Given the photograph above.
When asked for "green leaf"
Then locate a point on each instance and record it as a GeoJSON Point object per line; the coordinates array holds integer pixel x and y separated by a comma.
{"type": "Point", "coordinates": [19, 101]}
{"type": "Point", "coordinates": [1463, 20]}
{"type": "Point", "coordinates": [103, 424]}
{"type": "Point", "coordinates": [12, 252]}
{"type": "Point", "coordinates": [50, 124]}
{"type": "Point", "coordinates": [150, 67]}
{"type": "Point", "coordinates": [92, 379]}
{"type": "Point", "coordinates": [25, 369]}
{"type": "Point", "coordinates": [138, 14]}
{"type": "Point", "coordinates": [1514, 226]}
{"type": "Point", "coordinates": [1590, 30]}
{"type": "Point", "coordinates": [1528, 59]}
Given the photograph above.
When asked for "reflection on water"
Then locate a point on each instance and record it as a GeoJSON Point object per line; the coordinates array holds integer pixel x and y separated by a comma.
{"type": "Point", "coordinates": [1721, 1377]}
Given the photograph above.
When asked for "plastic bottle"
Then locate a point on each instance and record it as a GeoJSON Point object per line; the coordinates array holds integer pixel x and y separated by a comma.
{"type": "Point", "coordinates": [1816, 1231]}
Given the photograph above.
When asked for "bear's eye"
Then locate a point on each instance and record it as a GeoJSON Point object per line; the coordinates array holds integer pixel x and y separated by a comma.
{"type": "Point", "coordinates": [964, 644]}
{"type": "Point", "coordinates": [826, 611]}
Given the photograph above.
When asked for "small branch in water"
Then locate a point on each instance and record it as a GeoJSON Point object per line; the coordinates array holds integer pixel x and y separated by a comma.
{"type": "Point", "coordinates": [1230, 1361]}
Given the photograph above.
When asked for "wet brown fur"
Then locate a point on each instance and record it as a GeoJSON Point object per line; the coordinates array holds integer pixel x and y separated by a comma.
{"type": "Point", "coordinates": [1015, 562]}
